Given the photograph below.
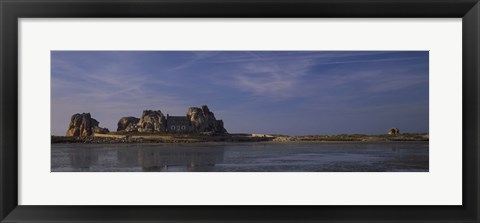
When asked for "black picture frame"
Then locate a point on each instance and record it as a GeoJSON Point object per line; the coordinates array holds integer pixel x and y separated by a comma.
{"type": "Point", "coordinates": [12, 10]}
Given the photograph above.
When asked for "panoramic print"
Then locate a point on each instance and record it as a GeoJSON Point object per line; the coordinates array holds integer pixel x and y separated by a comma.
{"type": "Point", "coordinates": [239, 111]}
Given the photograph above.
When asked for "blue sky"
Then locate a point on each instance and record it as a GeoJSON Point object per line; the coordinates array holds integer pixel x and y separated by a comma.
{"type": "Point", "coordinates": [288, 92]}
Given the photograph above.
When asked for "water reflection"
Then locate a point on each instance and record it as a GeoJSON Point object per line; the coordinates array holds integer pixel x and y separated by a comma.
{"type": "Point", "coordinates": [82, 159]}
{"type": "Point", "coordinates": [171, 159]}
{"type": "Point", "coordinates": [149, 159]}
{"type": "Point", "coordinates": [247, 157]}
{"type": "Point", "coordinates": [406, 157]}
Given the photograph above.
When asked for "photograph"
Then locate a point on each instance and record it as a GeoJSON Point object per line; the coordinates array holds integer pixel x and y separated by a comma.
{"type": "Point", "coordinates": [239, 111]}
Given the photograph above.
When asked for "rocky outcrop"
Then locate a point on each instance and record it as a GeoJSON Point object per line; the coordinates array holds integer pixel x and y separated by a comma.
{"type": "Point", "coordinates": [393, 131]}
{"type": "Point", "coordinates": [203, 120]}
{"type": "Point", "coordinates": [82, 125]}
{"type": "Point", "coordinates": [128, 124]}
{"type": "Point", "coordinates": [200, 120]}
{"type": "Point", "coordinates": [152, 121]}
{"type": "Point", "coordinates": [96, 128]}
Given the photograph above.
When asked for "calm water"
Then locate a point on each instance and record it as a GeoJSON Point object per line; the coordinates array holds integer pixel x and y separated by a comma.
{"type": "Point", "coordinates": [242, 157]}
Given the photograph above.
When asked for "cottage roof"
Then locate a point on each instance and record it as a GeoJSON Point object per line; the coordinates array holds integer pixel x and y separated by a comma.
{"type": "Point", "coordinates": [177, 120]}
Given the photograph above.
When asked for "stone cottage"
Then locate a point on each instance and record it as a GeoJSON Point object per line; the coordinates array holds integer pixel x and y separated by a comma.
{"type": "Point", "coordinates": [178, 124]}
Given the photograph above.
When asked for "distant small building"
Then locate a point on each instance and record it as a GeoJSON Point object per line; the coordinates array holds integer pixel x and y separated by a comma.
{"type": "Point", "coordinates": [178, 124]}
{"type": "Point", "coordinates": [393, 131]}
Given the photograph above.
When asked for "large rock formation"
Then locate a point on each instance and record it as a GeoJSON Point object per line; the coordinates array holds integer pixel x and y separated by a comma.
{"type": "Point", "coordinates": [82, 125]}
{"type": "Point", "coordinates": [152, 121]}
{"type": "Point", "coordinates": [128, 124]}
{"type": "Point", "coordinates": [203, 120]}
{"type": "Point", "coordinates": [196, 120]}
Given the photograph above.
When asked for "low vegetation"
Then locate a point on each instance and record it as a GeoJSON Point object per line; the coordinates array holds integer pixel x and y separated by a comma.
{"type": "Point", "coordinates": [136, 137]}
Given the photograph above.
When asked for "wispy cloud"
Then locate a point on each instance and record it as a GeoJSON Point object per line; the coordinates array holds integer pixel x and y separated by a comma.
{"type": "Point", "coordinates": [266, 78]}
{"type": "Point", "coordinates": [282, 56]}
{"type": "Point", "coordinates": [197, 56]}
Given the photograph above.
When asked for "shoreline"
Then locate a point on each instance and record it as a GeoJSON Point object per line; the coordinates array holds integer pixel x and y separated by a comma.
{"type": "Point", "coordinates": [122, 138]}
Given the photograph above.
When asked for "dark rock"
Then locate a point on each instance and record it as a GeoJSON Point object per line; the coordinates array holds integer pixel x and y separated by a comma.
{"type": "Point", "coordinates": [128, 124]}
{"type": "Point", "coordinates": [219, 126]}
{"type": "Point", "coordinates": [83, 125]}
{"type": "Point", "coordinates": [152, 121]}
{"type": "Point", "coordinates": [100, 130]}
{"type": "Point", "coordinates": [203, 120]}
{"type": "Point", "coordinates": [97, 129]}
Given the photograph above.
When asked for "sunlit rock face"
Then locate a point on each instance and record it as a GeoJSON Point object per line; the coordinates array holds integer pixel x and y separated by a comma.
{"type": "Point", "coordinates": [203, 120]}
{"type": "Point", "coordinates": [152, 121]}
{"type": "Point", "coordinates": [128, 124]}
{"type": "Point", "coordinates": [82, 125]}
